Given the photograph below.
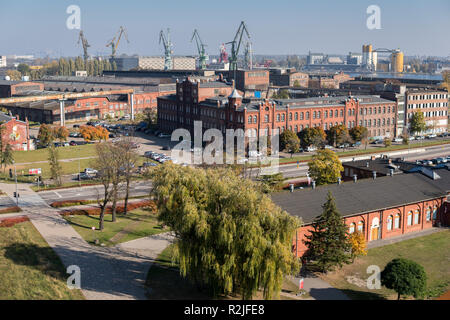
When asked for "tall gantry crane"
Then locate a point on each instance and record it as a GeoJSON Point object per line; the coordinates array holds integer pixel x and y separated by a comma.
{"type": "Point", "coordinates": [114, 44]}
{"type": "Point", "coordinates": [168, 62]}
{"type": "Point", "coordinates": [202, 56]}
{"type": "Point", "coordinates": [248, 56]}
{"type": "Point", "coordinates": [85, 45]}
{"type": "Point", "coordinates": [236, 45]}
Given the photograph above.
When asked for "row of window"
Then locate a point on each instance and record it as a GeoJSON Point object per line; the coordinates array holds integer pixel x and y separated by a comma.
{"type": "Point", "coordinates": [432, 114]}
{"type": "Point", "coordinates": [428, 105]}
{"type": "Point", "coordinates": [428, 96]}
{"type": "Point", "coordinates": [383, 110]}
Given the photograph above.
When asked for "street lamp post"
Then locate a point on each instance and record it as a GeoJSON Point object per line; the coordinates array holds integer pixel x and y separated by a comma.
{"type": "Point", "coordinates": [15, 177]}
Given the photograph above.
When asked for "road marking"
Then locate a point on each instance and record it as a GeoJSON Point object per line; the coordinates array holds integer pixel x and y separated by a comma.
{"type": "Point", "coordinates": [57, 194]}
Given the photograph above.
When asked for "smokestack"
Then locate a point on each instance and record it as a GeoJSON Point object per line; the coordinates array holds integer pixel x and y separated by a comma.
{"type": "Point", "coordinates": [355, 178]}
{"type": "Point", "coordinates": [374, 175]}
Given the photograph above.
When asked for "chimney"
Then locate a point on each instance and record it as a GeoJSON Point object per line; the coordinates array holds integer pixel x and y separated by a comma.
{"type": "Point", "coordinates": [374, 173]}
{"type": "Point", "coordinates": [355, 178]}
{"type": "Point", "coordinates": [391, 172]}
{"type": "Point", "coordinates": [291, 187]}
{"type": "Point", "coordinates": [313, 184]}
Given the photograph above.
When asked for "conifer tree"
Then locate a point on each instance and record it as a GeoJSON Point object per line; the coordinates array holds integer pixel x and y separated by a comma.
{"type": "Point", "coordinates": [328, 244]}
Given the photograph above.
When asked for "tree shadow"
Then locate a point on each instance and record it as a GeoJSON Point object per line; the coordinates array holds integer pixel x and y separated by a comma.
{"type": "Point", "coordinates": [43, 259]}
{"type": "Point", "coordinates": [362, 295]}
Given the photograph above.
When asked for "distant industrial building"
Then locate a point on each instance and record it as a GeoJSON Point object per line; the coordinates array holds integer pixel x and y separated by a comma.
{"type": "Point", "coordinates": [154, 63]}
{"type": "Point", "coordinates": [3, 62]}
{"type": "Point", "coordinates": [354, 58]}
{"type": "Point", "coordinates": [9, 89]}
{"type": "Point", "coordinates": [253, 83]}
{"type": "Point", "coordinates": [288, 78]}
{"type": "Point", "coordinates": [315, 58]}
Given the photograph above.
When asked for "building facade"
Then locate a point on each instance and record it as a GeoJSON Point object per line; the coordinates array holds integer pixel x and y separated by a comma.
{"type": "Point", "coordinates": [264, 116]}
{"type": "Point", "coordinates": [15, 133]}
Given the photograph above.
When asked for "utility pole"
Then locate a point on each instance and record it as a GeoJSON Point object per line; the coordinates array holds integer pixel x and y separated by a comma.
{"type": "Point", "coordinates": [15, 176]}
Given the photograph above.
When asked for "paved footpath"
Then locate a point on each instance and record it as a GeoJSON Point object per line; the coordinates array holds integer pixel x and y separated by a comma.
{"type": "Point", "coordinates": [116, 273]}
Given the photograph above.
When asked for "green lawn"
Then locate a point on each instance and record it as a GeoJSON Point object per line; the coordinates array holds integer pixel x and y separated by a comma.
{"type": "Point", "coordinates": [136, 224]}
{"type": "Point", "coordinates": [64, 153]}
{"type": "Point", "coordinates": [432, 252]}
{"type": "Point", "coordinates": [29, 268]}
{"type": "Point", "coordinates": [165, 283]}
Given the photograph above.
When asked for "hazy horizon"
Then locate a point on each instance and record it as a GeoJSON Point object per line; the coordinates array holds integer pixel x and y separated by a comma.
{"type": "Point", "coordinates": [418, 28]}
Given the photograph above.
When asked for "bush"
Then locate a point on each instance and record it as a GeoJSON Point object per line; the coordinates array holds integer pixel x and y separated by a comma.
{"type": "Point", "coordinates": [10, 210]}
{"type": "Point", "coordinates": [120, 209]}
{"type": "Point", "coordinates": [10, 222]}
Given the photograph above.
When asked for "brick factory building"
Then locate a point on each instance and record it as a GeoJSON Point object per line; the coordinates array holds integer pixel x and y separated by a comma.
{"type": "Point", "coordinates": [15, 133]}
{"type": "Point", "coordinates": [288, 78]}
{"type": "Point", "coordinates": [253, 83]}
{"type": "Point", "coordinates": [380, 208]}
{"type": "Point", "coordinates": [263, 115]}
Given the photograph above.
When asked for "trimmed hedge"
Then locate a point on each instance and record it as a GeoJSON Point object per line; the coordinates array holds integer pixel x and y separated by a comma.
{"type": "Point", "coordinates": [10, 222]}
{"type": "Point", "coordinates": [10, 210]}
{"type": "Point", "coordinates": [120, 209]}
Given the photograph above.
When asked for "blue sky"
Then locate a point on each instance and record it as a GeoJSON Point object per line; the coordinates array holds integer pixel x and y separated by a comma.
{"type": "Point", "coordinates": [276, 27]}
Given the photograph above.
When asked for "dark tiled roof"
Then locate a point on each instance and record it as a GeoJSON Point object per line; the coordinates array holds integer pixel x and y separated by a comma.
{"type": "Point", "coordinates": [4, 117]}
{"type": "Point", "coordinates": [366, 195]}
{"type": "Point", "coordinates": [381, 165]}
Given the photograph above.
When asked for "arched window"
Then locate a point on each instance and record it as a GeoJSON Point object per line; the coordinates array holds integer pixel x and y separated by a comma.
{"type": "Point", "coordinates": [283, 118]}
{"type": "Point", "coordinates": [429, 214]}
{"type": "Point", "coordinates": [278, 117]}
{"type": "Point", "coordinates": [296, 128]}
{"type": "Point", "coordinates": [435, 210]}
{"type": "Point", "coordinates": [249, 119]}
{"type": "Point", "coordinates": [266, 118]}
{"type": "Point", "coordinates": [318, 115]}
{"type": "Point", "coordinates": [361, 226]}
{"type": "Point", "coordinates": [389, 223]}
{"type": "Point", "coordinates": [397, 221]}
{"type": "Point", "coordinates": [296, 116]}
{"type": "Point", "coordinates": [416, 217]}
{"type": "Point", "coordinates": [352, 228]}
{"type": "Point", "coordinates": [301, 115]}
{"type": "Point", "coordinates": [290, 116]}
{"type": "Point", "coordinates": [314, 114]}
{"type": "Point", "coordinates": [307, 115]}
{"type": "Point", "coordinates": [255, 119]}
{"type": "Point", "coordinates": [410, 218]}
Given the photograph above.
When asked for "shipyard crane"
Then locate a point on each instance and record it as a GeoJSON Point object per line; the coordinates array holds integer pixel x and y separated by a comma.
{"type": "Point", "coordinates": [85, 45]}
{"type": "Point", "coordinates": [168, 63]}
{"type": "Point", "coordinates": [202, 56]}
{"type": "Point", "coordinates": [115, 44]}
{"type": "Point", "coordinates": [248, 56]}
{"type": "Point", "coordinates": [236, 45]}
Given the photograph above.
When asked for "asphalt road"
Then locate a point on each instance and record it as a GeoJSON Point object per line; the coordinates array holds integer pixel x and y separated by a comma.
{"type": "Point", "coordinates": [141, 188]}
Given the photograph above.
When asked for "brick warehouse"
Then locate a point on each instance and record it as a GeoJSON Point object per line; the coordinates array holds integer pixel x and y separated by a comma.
{"type": "Point", "coordinates": [263, 115]}
{"type": "Point", "coordinates": [145, 97]}
{"type": "Point", "coordinates": [15, 133]}
{"type": "Point", "coordinates": [380, 208]}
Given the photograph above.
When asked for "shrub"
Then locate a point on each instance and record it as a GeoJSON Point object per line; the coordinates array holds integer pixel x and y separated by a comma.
{"type": "Point", "coordinates": [10, 210]}
{"type": "Point", "coordinates": [10, 222]}
{"type": "Point", "coordinates": [120, 209]}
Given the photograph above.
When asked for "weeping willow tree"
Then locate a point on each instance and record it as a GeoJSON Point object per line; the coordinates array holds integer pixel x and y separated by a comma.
{"type": "Point", "coordinates": [231, 238]}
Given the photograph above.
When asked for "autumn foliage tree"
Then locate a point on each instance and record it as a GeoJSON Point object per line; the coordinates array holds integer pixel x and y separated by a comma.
{"type": "Point", "coordinates": [312, 136]}
{"type": "Point", "coordinates": [325, 167]}
{"type": "Point", "coordinates": [231, 238]}
{"type": "Point", "coordinates": [91, 133]}
{"type": "Point", "coordinates": [359, 245]}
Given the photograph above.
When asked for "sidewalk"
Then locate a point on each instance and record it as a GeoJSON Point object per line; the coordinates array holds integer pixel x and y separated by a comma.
{"type": "Point", "coordinates": [116, 273]}
{"type": "Point", "coordinates": [319, 289]}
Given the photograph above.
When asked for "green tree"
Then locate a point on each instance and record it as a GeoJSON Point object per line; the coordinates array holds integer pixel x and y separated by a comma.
{"type": "Point", "coordinates": [271, 182]}
{"type": "Point", "coordinates": [114, 66]}
{"type": "Point", "coordinates": [283, 94]}
{"type": "Point", "coordinates": [387, 142]}
{"type": "Point", "coordinates": [231, 238]}
{"type": "Point", "coordinates": [290, 142]}
{"type": "Point", "coordinates": [360, 134]}
{"type": "Point", "coordinates": [14, 75]}
{"type": "Point", "coordinates": [7, 157]}
{"type": "Point", "coordinates": [328, 244]}
{"type": "Point", "coordinates": [24, 69]}
{"type": "Point", "coordinates": [406, 277]}
{"type": "Point", "coordinates": [45, 135]}
{"type": "Point", "coordinates": [312, 136]}
{"type": "Point", "coordinates": [325, 167]}
{"type": "Point", "coordinates": [337, 134]}
{"type": "Point", "coordinates": [417, 123]}
{"type": "Point", "coordinates": [55, 166]}
{"type": "Point", "coordinates": [297, 84]}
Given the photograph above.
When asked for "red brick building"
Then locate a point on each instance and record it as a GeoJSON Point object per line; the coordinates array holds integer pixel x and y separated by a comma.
{"type": "Point", "coordinates": [9, 89]}
{"type": "Point", "coordinates": [380, 208]}
{"type": "Point", "coordinates": [222, 112]}
{"type": "Point", "coordinates": [15, 133]}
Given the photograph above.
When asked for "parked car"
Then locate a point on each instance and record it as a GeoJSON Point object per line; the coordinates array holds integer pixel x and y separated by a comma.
{"type": "Point", "coordinates": [397, 140]}
{"type": "Point", "coordinates": [420, 138]}
{"type": "Point", "coordinates": [83, 176]}
{"type": "Point", "coordinates": [343, 146]}
{"type": "Point", "coordinates": [148, 154]}
{"type": "Point", "coordinates": [149, 164]}
{"type": "Point", "coordinates": [90, 171]}
{"type": "Point", "coordinates": [73, 143]}
{"type": "Point", "coordinates": [311, 149]}
{"type": "Point", "coordinates": [431, 136]}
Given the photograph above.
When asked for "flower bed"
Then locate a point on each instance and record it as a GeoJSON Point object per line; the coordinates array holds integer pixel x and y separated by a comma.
{"type": "Point", "coordinates": [10, 222]}
{"type": "Point", "coordinates": [120, 209]}
{"type": "Point", "coordinates": [10, 210]}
